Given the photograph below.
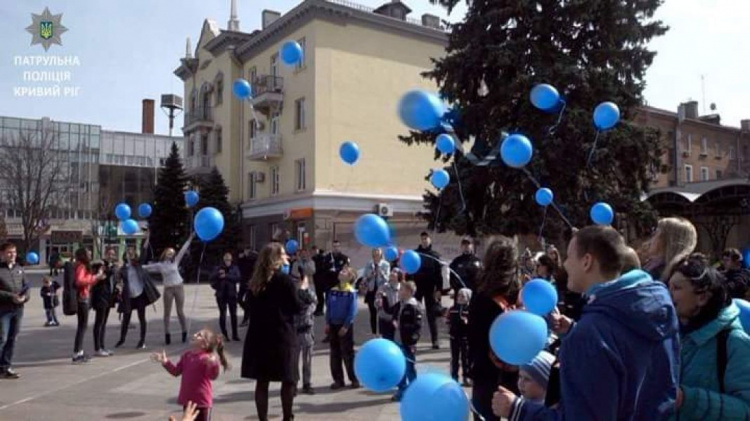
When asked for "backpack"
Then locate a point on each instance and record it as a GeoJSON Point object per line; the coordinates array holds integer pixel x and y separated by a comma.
{"type": "Point", "coordinates": [722, 356]}
{"type": "Point", "coordinates": [70, 292]}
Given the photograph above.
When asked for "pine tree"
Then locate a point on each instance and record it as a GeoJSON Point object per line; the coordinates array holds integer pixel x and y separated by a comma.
{"type": "Point", "coordinates": [214, 193]}
{"type": "Point", "coordinates": [592, 51]}
{"type": "Point", "coordinates": [169, 219]}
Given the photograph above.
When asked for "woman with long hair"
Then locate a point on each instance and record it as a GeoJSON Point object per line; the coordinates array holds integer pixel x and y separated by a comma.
{"type": "Point", "coordinates": [138, 292]}
{"type": "Point", "coordinates": [85, 278]}
{"type": "Point", "coordinates": [102, 300]}
{"type": "Point", "coordinates": [168, 267]}
{"type": "Point", "coordinates": [673, 240]}
{"type": "Point", "coordinates": [271, 338]}
{"type": "Point", "coordinates": [498, 286]}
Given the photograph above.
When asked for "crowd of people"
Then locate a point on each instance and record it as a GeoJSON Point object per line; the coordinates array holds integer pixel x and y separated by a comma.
{"type": "Point", "coordinates": [650, 333]}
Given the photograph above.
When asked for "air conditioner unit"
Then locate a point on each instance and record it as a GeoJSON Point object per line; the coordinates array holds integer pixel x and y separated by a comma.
{"type": "Point", "coordinates": [260, 177]}
{"type": "Point", "coordinates": [384, 209]}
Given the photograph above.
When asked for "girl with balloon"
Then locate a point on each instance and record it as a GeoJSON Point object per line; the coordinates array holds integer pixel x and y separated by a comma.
{"type": "Point", "coordinates": [385, 300]}
{"type": "Point", "coordinates": [138, 292]}
{"type": "Point", "coordinates": [376, 276]}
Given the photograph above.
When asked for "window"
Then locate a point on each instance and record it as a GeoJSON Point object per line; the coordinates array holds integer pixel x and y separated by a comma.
{"type": "Point", "coordinates": [218, 141]}
{"type": "Point", "coordinates": [303, 61]}
{"type": "Point", "coordinates": [731, 153]}
{"type": "Point", "coordinates": [252, 127]}
{"type": "Point", "coordinates": [191, 147]}
{"type": "Point", "coordinates": [204, 144]}
{"type": "Point", "coordinates": [251, 231]}
{"type": "Point", "coordinates": [253, 73]}
{"type": "Point", "coordinates": [704, 174]}
{"type": "Point", "coordinates": [718, 174]}
{"type": "Point", "coordinates": [275, 123]}
{"type": "Point", "coordinates": [688, 173]}
{"type": "Point", "coordinates": [704, 146]}
{"type": "Point", "coordinates": [744, 153]}
{"type": "Point", "coordinates": [275, 232]}
{"type": "Point", "coordinates": [251, 193]}
{"type": "Point", "coordinates": [299, 114]}
{"type": "Point", "coordinates": [219, 91]}
{"type": "Point", "coordinates": [275, 65]}
{"type": "Point", "coordinates": [300, 177]}
{"type": "Point", "coordinates": [718, 150]}
{"type": "Point", "coordinates": [274, 181]}
{"type": "Point", "coordinates": [689, 145]}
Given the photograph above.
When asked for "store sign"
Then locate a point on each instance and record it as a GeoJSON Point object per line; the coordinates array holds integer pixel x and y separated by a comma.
{"type": "Point", "coordinates": [63, 237]}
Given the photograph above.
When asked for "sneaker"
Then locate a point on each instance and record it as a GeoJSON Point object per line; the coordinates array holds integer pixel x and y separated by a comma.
{"type": "Point", "coordinates": [55, 324]}
{"type": "Point", "coordinates": [308, 390]}
{"type": "Point", "coordinates": [48, 324]}
{"type": "Point", "coordinates": [435, 345]}
{"type": "Point", "coordinates": [337, 386]}
{"type": "Point", "coordinates": [102, 353]}
{"type": "Point", "coordinates": [109, 353]}
{"type": "Point", "coordinates": [141, 345]}
{"type": "Point", "coordinates": [80, 359]}
{"type": "Point", "coordinates": [10, 374]}
{"type": "Point", "coordinates": [355, 385]}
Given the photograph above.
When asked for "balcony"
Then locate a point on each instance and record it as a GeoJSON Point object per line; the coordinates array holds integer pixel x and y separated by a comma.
{"type": "Point", "coordinates": [265, 146]}
{"type": "Point", "coordinates": [268, 93]}
{"type": "Point", "coordinates": [199, 164]}
{"type": "Point", "coordinates": [199, 118]}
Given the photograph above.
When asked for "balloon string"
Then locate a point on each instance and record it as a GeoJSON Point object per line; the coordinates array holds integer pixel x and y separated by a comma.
{"type": "Point", "coordinates": [460, 187]}
{"type": "Point", "coordinates": [544, 220]}
{"type": "Point", "coordinates": [197, 282]}
{"type": "Point", "coordinates": [593, 148]}
{"type": "Point", "coordinates": [553, 204]}
{"type": "Point", "coordinates": [437, 214]}
{"type": "Point", "coordinates": [559, 118]}
{"type": "Point", "coordinates": [444, 264]}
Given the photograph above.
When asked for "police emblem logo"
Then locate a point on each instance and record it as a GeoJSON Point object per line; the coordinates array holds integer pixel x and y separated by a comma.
{"type": "Point", "coordinates": [46, 29]}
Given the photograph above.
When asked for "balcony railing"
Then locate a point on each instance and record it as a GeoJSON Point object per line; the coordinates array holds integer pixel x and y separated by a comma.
{"type": "Point", "coordinates": [267, 83]}
{"type": "Point", "coordinates": [199, 162]}
{"type": "Point", "coordinates": [199, 115]}
{"type": "Point", "coordinates": [265, 146]}
{"type": "Point", "coordinates": [268, 93]}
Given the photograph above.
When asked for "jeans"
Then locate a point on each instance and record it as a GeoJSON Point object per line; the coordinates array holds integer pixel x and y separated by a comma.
{"type": "Point", "coordinates": [174, 293]}
{"type": "Point", "coordinates": [411, 372]}
{"type": "Point", "coordinates": [126, 323]}
{"type": "Point", "coordinates": [370, 300]}
{"type": "Point", "coordinates": [224, 304]}
{"type": "Point", "coordinates": [460, 356]}
{"type": "Point", "coordinates": [100, 327]}
{"type": "Point", "coordinates": [342, 350]}
{"type": "Point", "coordinates": [10, 325]}
{"type": "Point", "coordinates": [305, 352]}
{"type": "Point", "coordinates": [83, 321]}
{"type": "Point", "coordinates": [51, 315]}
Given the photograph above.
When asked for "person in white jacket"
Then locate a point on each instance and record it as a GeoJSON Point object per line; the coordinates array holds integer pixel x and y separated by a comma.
{"type": "Point", "coordinates": [174, 289]}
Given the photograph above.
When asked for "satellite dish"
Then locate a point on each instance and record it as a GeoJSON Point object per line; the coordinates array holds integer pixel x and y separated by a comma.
{"type": "Point", "coordinates": [713, 106]}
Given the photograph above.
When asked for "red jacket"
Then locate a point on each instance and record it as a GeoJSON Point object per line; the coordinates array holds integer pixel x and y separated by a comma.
{"type": "Point", "coordinates": [84, 281]}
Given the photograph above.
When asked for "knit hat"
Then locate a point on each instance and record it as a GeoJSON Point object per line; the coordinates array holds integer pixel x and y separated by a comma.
{"type": "Point", "coordinates": [540, 367]}
{"type": "Point", "coordinates": [466, 292]}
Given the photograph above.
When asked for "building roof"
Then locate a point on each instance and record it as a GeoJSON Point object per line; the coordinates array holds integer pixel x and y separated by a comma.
{"type": "Point", "coordinates": [694, 191]}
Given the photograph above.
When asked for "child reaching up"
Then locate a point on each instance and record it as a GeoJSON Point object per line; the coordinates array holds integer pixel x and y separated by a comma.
{"type": "Point", "coordinates": [198, 368]}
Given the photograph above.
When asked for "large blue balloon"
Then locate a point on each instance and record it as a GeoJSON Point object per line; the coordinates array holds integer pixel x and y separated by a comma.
{"type": "Point", "coordinates": [32, 258]}
{"type": "Point", "coordinates": [130, 226]}
{"type": "Point", "coordinates": [391, 254]}
{"type": "Point", "coordinates": [191, 198]}
{"type": "Point", "coordinates": [144, 210]}
{"type": "Point", "coordinates": [450, 403]}
{"type": "Point", "coordinates": [380, 365]}
{"type": "Point", "coordinates": [539, 297]}
{"type": "Point", "coordinates": [516, 151]}
{"type": "Point", "coordinates": [440, 178]}
{"type": "Point", "coordinates": [445, 144]}
{"type": "Point", "coordinates": [606, 115]}
{"type": "Point", "coordinates": [122, 211]}
{"type": "Point", "coordinates": [372, 231]}
{"type": "Point", "coordinates": [242, 89]}
{"type": "Point", "coordinates": [602, 214]}
{"type": "Point", "coordinates": [411, 261]}
{"type": "Point", "coordinates": [545, 97]}
{"type": "Point", "coordinates": [516, 337]}
{"type": "Point", "coordinates": [292, 246]}
{"type": "Point", "coordinates": [434, 396]}
{"type": "Point", "coordinates": [421, 110]}
{"type": "Point", "coordinates": [349, 152]}
{"type": "Point", "coordinates": [209, 223]}
{"type": "Point", "coordinates": [291, 53]}
{"type": "Point", "coordinates": [544, 196]}
{"type": "Point", "coordinates": [744, 313]}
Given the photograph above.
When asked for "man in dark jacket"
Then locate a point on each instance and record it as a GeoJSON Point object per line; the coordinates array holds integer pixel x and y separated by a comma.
{"type": "Point", "coordinates": [429, 280]}
{"type": "Point", "coordinates": [467, 266]}
{"type": "Point", "coordinates": [621, 361]}
{"type": "Point", "coordinates": [331, 264]}
{"type": "Point", "coordinates": [14, 293]}
{"type": "Point", "coordinates": [246, 262]}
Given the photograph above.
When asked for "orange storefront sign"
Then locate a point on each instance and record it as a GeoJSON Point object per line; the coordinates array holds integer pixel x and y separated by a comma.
{"type": "Point", "coordinates": [303, 213]}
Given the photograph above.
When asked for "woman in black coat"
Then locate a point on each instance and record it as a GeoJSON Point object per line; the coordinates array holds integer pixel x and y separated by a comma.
{"type": "Point", "coordinates": [102, 300]}
{"type": "Point", "coordinates": [138, 292]}
{"type": "Point", "coordinates": [271, 337]}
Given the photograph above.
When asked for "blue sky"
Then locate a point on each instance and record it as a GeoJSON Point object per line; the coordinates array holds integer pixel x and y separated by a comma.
{"type": "Point", "coordinates": [129, 48]}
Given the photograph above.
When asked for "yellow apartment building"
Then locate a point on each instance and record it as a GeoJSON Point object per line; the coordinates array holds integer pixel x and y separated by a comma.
{"type": "Point", "coordinates": [280, 157]}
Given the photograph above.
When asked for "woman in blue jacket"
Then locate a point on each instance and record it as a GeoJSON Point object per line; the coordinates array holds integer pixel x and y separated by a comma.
{"type": "Point", "coordinates": [224, 281]}
{"type": "Point", "coordinates": [715, 380]}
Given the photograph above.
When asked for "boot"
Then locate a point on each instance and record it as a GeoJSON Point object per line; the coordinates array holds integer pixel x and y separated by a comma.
{"type": "Point", "coordinates": [141, 344]}
{"type": "Point", "coordinates": [184, 337]}
{"type": "Point", "coordinates": [167, 339]}
{"type": "Point", "coordinates": [120, 342]}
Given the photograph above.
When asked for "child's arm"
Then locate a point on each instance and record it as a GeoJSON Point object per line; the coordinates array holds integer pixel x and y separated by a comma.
{"type": "Point", "coordinates": [352, 310]}
{"type": "Point", "coordinates": [175, 370]}
{"type": "Point", "coordinates": [212, 368]}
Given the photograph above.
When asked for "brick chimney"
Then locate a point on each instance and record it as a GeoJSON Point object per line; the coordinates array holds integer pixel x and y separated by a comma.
{"type": "Point", "coordinates": [745, 125]}
{"type": "Point", "coordinates": [147, 120]}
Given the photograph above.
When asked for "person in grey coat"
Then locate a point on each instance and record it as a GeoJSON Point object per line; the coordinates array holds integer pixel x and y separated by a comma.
{"type": "Point", "coordinates": [304, 322]}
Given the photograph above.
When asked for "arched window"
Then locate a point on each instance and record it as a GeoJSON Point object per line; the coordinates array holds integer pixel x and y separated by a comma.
{"type": "Point", "coordinates": [219, 88]}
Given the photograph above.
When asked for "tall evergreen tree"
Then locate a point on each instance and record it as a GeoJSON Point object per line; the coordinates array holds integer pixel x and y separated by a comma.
{"type": "Point", "coordinates": [169, 219]}
{"type": "Point", "coordinates": [214, 193]}
{"type": "Point", "coordinates": [592, 51]}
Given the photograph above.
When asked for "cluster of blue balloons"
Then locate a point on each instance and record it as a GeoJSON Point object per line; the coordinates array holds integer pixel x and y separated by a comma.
{"type": "Point", "coordinates": [191, 198]}
{"type": "Point", "coordinates": [349, 152]}
{"type": "Point", "coordinates": [440, 178]}
{"type": "Point", "coordinates": [32, 258]}
{"type": "Point", "coordinates": [547, 98]}
{"type": "Point", "coordinates": [209, 223]}
{"type": "Point", "coordinates": [128, 225]}
{"type": "Point", "coordinates": [372, 231]}
{"type": "Point", "coordinates": [291, 53]}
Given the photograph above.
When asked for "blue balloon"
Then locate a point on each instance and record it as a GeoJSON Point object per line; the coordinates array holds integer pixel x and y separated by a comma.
{"type": "Point", "coordinates": [744, 313]}
{"type": "Point", "coordinates": [242, 89]}
{"type": "Point", "coordinates": [602, 214]}
{"type": "Point", "coordinates": [411, 261]}
{"type": "Point", "coordinates": [416, 404]}
{"type": "Point", "coordinates": [516, 151]}
{"type": "Point", "coordinates": [516, 337]}
{"type": "Point", "coordinates": [421, 110]}
{"type": "Point", "coordinates": [349, 152]}
{"type": "Point", "coordinates": [544, 196]}
{"type": "Point", "coordinates": [32, 258]}
{"type": "Point", "coordinates": [130, 226]}
{"type": "Point", "coordinates": [122, 211]}
{"type": "Point", "coordinates": [144, 210]}
{"type": "Point", "coordinates": [292, 246]}
{"type": "Point", "coordinates": [450, 403]}
{"type": "Point", "coordinates": [539, 297]}
{"type": "Point", "coordinates": [191, 198]}
{"type": "Point", "coordinates": [545, 97]}
{"type": "Point", "coordinates": [209, 223]}
{"type": "Point", "coordinates": [606, 115]}
{"type": "Point", "coordinates": [372, 231]}
{"type": "Point", "coordinates": [391, 254]}
{"type": "Point", "coordinates": [440, 179]}
{"type": "Point", "coordinates": [445, 144]}
{"type": "Point", "coordinates": [291, 53]}
{"type": "Point", "coordinates": [380, 365]}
